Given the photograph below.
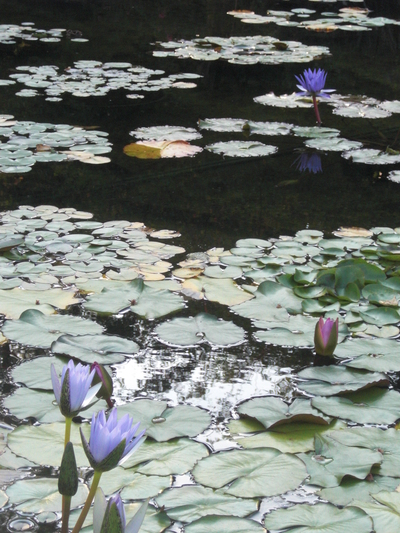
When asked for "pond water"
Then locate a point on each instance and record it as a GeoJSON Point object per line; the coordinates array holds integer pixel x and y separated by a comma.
{"type": "Point", "coordinates": [237, 229]}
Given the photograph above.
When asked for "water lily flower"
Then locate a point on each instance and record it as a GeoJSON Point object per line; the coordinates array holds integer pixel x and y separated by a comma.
{"type": "Point", "coordinates": [109, 517]}
{"type": "Point", "coordinates": [111, 441]}
{"type": "Point", "coordinates": [74, 393]}
{"type": "Point", "coordinates": [312, 83]}
{"type": "Point", "coordinates": [326, 336]}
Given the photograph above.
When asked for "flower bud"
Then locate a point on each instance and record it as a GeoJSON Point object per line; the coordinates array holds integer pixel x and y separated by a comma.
{"type": "Point", "coordinates": [68, 477]}
{"type": "Point", "coordinates": [326, 336]}
{"type": "Point", "coordinates": [102, 376]}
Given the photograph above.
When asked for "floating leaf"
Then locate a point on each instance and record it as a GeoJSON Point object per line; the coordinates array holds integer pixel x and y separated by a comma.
{"type": "Point", "coordinates": [242, 149]}
{"type": "Point", "coordinates": [352, 490]}
{"type": "Point", "coordinates": [189, 503]}
{"type": "Point", "coordinates": [161, 149]}
{"type": "Point", "coordinates": [164, 423]}
{"type": "Point", "coordinates": [165, 458]}
{"type": "Point", "coordinates": [318, 518]}
{"type": "Point", "coordinates": [272, 411]}
{"type": "Point", "coordinates": [104, 349]}
{"type": "Point", "coordinates": [329, 463]}
{"type": "Point", "coordinates": [203, 327]}
{"type": "Point", "coordinates": [15, 301]}
{"type": "Point", "coordinates": [36, 329]}
{"type": "Point", "coordinates": [330, 380]}
{"type": "Point", "coordinates": [226, 524]}
{"type": "Point", "coordinates": [373, 406]}
{"type": "Point", "coordinates": [134, 486]}
{"type": "Point", "coordinates": [261, 472]}
{"type": "Point", "coordinates": [41, 495]}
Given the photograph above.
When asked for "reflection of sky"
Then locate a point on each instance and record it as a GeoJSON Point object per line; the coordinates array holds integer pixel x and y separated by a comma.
{"type": "Point", "coordinates": [216, 381]}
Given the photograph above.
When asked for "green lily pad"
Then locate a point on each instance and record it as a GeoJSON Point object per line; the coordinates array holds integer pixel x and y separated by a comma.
{"type": "Point", "coordinates": [44, 444]}
{"type": "Point", "coordinates": [330, 462]}
{"type": "Point", "coordinates": [176, 456]}
{"type": "Point", "coordinates": [225, 291]}
{"type": "Point", "coordinates": [289, 438]}
{"type": "Point", "coordinates": [385, 511]}
{"type": "Point", "coordinates": [330, 380]}
{"type": "Point", "coordinates": [351, 490]}
{"type": "Point", "coordinates": [252, 473]}
{"type": "Point", "coordinates": [164, 423]}
{"type": "Point", "coordinates": [35, 373]}
{"type": "Point", "coordinates": [134, 486]}
{"type": "Point", "coordinates": [224, 524]}
{"type": "Point", "coordinates": [41, 495]}
{"type": "Point", "coordinates": [33, 328]}
{"type": "Point", "coordinates": [272, 411]}
{"type": "Point", "coordinates": [15, 301]}
{"type": "Point", "coordinates": [104, 349]}
{"type": "Point", "coordinates": [270, 302]}
{"type": "Point", "coordinates": [26, 403]}
{"type": "Point", "coordinates": [136, 296]}
{"type": "Point", "coordinates": [192, 502]}
{"type": "Point", "coordinates": [372, 406]}
{"type": "Point", "coordinates": [203, 327]}
{"type": "Point", "coordinates": [386, 441]}
{"type": "Point", "coordinates": [373, 347]}
{"type": "Point", "coordinates": [319, 518]}
{"type": "Point", "coordinates": [381, 316]}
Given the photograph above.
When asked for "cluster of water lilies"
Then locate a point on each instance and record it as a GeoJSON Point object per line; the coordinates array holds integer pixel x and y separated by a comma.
{"type": "Point", "coordinates": [111, 442]}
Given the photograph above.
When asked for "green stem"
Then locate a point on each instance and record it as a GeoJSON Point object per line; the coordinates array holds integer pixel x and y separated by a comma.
{"type": "Point", "coordinates": [68, 423]}
{"type": "Point", "coordinates": [66, 506]}
{"type": "Point", "coordinates": [88, 503]}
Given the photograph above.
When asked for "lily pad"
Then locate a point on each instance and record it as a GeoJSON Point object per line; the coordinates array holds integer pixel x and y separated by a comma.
{"type": "Point", "coordinates": [272, 411]}
{"type": "Point", "coordinates": [164, 423]}
{"type": "Point", "coordinates": [15, 301]}
{"type": "Point", "coordinates": [373, 406]}
{"type": "Point", "coordinates": [190, 502]}
{"type": "Point", "coordinates": [176, 456]}
{"type": "Point", "coordinates": [134, 486]}
{"type": "Point", "coordinates": [203, 327]}
{"type": "Point", "coordinates": [242, 149]}
{"type": "Point", "coordinates": [318, 518]}
{"type": "Point", "coordinates": [330, 380]}
{"type": "Point", "coordinates": [351, 490]}
{"type": "Point", "coordinates": [226, 524]}
{"type": "Point", "coordinates": [104, 349]}
{"type": "Point", "coordinates": [33, 328]}
{"type": "Point", "coordinates": [330, 462]}
{"type": "Point", "coordinates": [41, 495]}
{"type": "Point", "coordinates": [251, 473]}
{"type": "Point", "coordinates": [385, 511]}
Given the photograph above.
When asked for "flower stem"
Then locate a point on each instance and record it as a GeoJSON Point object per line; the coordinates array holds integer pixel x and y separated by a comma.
{"type": "Point", "coordinates": [88, 503]}
{"type": "Point", "coordinates": [68, 423]}
{"type": "Point", "coordinates": [66, 506]}
{"type": "Point", "coordinates": [316, 110]}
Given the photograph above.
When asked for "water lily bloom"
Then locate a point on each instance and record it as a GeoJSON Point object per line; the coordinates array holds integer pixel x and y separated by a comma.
{"type": "Point", "coordinates": [312, 83]}
{"type": "Point", "coordinates": [74, 393]}
{"type": "Point", "coordinates": [109, 517]}
{"type": "Point", "coordinates": [326, 336]}
{"type": "Point", "coordinates": [111, 441]}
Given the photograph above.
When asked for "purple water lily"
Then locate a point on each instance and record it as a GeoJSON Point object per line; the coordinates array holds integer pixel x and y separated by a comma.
{"type": "Point", "coordinates": [74, 393]}
{"type": "Point", "coordinates": [111, 441]}
{"type": "Point", "coordinates": [312, 83]}
{"type": "Point", "coordinates": [109, 517]}
{"type": "Point", "coordinates": [326, 336]}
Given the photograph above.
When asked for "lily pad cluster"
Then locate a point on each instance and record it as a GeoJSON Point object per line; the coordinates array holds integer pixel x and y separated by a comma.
{"type": "Point", "coordinates": [13, 33]}
{"type": "Point", "coordinates": [94, 78]}
{"type": "Point", "coordinates": [27, 143]}
{"type": "Point", "coordinates": [346, 19]}
{"type": "Point", "coordinates": [241, 50]}
{"type": "Point", "coordinates": [329, 437]}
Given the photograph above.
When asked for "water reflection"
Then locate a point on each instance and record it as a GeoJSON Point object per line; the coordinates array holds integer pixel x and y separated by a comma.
{"type": "Point", "coordinates": [216, 380]}
{"type": "Point", "coordinates": [308, 161]}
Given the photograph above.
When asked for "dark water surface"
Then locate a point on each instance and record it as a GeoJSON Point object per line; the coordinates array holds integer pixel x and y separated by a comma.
{"type": "Point", "coordinates": [211, 200]}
